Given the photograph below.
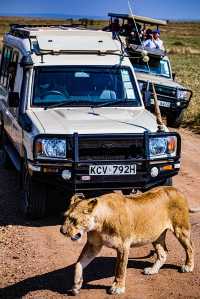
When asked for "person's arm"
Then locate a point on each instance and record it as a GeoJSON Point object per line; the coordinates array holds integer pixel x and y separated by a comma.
{"type": "Point", "coordinates": [162, 45]}
{"type": "Point", "coordinates": [156, 43]}
{"type": "Point", "coordinates": [146, 43]}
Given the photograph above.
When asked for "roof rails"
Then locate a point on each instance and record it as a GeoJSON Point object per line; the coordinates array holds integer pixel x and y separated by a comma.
{"type": "Point", "coordinates": [18, 31]}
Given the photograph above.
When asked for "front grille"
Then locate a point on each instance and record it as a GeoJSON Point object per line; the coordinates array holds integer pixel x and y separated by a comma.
{"type": "Point", "coordinates": [161, 90]}
{"type": "Point", "coordinates": [111, 148]}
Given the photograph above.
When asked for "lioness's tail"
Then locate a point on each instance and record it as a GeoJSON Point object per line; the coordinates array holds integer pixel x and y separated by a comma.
{"type": "Point", "coordinates": [194, 210]}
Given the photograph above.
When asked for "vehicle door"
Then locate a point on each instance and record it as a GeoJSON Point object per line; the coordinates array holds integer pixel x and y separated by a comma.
{"type": "Point", "coordinates": [15, 83]}
{"type": "Point", "coordinates": [4, 79]}
{"type": "Point", "coordinates": [12, 76]}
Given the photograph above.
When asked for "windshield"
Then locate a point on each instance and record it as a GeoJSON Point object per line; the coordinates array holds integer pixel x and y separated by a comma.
{"type": "Point", "coordinates": [156, 66]}
{"type": "Point", "coordinates": [84, 86]}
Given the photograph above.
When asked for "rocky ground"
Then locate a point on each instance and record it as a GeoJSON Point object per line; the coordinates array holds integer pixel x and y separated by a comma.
{"type": "Point", "coordinates": [37, 261]}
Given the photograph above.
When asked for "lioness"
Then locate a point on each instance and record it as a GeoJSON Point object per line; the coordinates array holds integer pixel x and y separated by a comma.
{"type": "Point", "coordinates": [121, 222]}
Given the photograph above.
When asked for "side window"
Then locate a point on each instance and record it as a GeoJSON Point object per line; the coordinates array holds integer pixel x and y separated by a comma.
{"type": "Point", "coordinates": [8, 68]}
{"type": "Point", "coordinates": [12, 71]}
{"type": "Point", "coordinates": [6, 59]}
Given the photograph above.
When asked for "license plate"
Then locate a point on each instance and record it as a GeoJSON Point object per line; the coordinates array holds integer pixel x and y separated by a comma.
{"type": "Point", "coordinates": [162, 103]}
{"type": "Point", "coordinates": [119, 169]}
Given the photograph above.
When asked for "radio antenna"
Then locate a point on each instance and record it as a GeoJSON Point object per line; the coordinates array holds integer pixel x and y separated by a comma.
{"type": "Point", "coordinates": [160, 123]}
{"type": "Point", "coordinates": [130, 8]}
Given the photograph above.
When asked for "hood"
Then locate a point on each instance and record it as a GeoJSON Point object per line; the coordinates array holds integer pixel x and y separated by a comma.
{"type": "Point", "coordinates": [157, 80]}
{"type": "Point", "coordinates": [85, 120]}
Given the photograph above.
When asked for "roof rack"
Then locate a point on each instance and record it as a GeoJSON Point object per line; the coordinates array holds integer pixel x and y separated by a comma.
{"type": "Point", "coordinates": [23, 30]}
{"type": "Point", "coordinates": [62, 39]}
{"type": "Point", "coordinates": [141, 19]}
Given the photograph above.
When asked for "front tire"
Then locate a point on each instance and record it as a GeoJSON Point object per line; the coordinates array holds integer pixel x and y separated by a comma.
{"type": "Point", "coordinates": [5, 161]}
{"type": "Point", "coordinates": [168, 182]}
{"type": "Point", "coordinates": [175, 119]}
{"type": "Point", "coordinates": [33, 196]}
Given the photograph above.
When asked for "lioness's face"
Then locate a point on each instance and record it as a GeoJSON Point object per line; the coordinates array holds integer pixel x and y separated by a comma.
{"type": "Point", "coordinates": [78, 219]}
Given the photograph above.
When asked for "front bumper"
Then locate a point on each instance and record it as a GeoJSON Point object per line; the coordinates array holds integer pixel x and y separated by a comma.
{"type": "Point", "coordinates": [79, 180]}
{"type": "Point", "coordinates": [167, 97]}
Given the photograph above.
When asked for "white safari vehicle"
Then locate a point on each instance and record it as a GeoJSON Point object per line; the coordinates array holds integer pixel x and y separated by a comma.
{"type": "Point", "coordinates": [72, 117]}
{"type": "Point", "coordinates": [173, 98]}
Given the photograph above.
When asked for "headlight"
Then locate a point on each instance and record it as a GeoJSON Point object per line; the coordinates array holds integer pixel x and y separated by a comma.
{"type": "Point", "coordinates": [50, 148]}
{"type": "Point", "coordinates": [163, 147]}
{"type": "Point", "coordinates": [182, 94]}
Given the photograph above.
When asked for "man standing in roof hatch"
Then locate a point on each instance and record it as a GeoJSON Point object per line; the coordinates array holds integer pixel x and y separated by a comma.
{"type": "Point", "coordinates": [152, 40]}
{"type": "Point", "coordinates": [156, 39]}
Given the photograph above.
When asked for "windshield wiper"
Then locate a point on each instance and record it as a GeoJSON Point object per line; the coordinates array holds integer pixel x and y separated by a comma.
{"type": "Point", "coordinates": [150, 72]}
{"type": "Point", "coordinates": [142, 71]}
{"type": "Point", "coordinates": [109, 103]}
{"type": "Point", "coordinates": [66, 104]}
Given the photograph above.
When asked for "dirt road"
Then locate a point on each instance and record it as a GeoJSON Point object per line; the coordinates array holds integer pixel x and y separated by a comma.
{"type": "Point", "coordinates": [37, 261]}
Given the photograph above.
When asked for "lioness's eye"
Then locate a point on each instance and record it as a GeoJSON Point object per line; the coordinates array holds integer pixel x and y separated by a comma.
{"type": "Point", "coordinates": [73, 220]}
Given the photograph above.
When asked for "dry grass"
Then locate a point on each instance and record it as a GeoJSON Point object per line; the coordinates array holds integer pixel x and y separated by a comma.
{"type": "Point", "coordinates": [187, 69]}
{"type": "Point", "coordinates": [183, 44]}
{"type": "Point", "coordinates": [182, 41]}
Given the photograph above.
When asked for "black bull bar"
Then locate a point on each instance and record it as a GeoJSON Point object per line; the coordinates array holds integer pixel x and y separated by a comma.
{"type": "Point", "coordinates": [141, 180]}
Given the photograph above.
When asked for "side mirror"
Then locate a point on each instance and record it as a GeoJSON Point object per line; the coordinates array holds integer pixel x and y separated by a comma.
{"type": "Point", "coordinates": [13, 99]}
{"type": "Point", "coordinates": [25, 122]}
{"type": "Point", "coordinates": [173, 76]}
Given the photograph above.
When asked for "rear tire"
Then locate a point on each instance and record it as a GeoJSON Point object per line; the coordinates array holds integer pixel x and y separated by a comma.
{"type": "Point", "coordinates": [33, 196]}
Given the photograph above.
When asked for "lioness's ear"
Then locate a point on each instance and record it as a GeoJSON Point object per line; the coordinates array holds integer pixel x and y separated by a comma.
{"type": "Point", "coordinates": [92, 203]}
{"type": "Point", "coordinates": [76, 198]}
{"type": "Point", "coordinates": [90, 206]}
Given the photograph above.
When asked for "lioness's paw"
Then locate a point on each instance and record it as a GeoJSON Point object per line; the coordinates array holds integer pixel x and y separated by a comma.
{"type": "Point", "coordinates": [74, 292]}
{"type": "Point", "coordinates": [186, 268]}
{"type": "Point", "coordinates": [150, 271]}
{"type": "Point", "coordinates": [115, 290]}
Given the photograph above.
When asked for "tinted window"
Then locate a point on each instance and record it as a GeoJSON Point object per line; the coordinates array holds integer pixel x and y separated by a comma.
{"type": "Point", "coordinates": [5, 60]}
{"type": "Point", "coordinates": [82, 86]}
{"type": "Point", "coordinates": [155, 66]}
{"type": "Point", "coordinates": [8, 68]}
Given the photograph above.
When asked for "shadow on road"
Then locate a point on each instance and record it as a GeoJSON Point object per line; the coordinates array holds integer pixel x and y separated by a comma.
{"type": "Point", "coordinates": [10, 201]}
{"type": "Point", "coordinates": [60, 281]}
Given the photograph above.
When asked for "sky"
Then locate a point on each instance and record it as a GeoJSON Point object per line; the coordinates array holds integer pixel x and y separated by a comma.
{"type": "Point", "coordinates": [170, 9]}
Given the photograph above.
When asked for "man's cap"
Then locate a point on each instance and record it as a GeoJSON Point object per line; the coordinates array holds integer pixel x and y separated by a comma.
{"type": "Point", "coordinates": [156, 31]}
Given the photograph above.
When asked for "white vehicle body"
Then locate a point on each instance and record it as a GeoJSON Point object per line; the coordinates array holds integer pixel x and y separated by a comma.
{"type": "Point", "coordinates": [173, 97]}
{"type": "Point", "coordinates": [36, 124]}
